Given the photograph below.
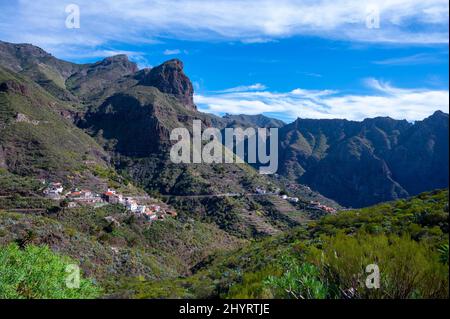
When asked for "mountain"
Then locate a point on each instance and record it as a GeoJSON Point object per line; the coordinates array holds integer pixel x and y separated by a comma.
{"type": "Point", "coordinates": [36, 139]}
{"type": "Point", "coordinates": [362, 163]}
{"type": "Point", "coordinates": [127, 116]}
{"type": "Point", "coordinates": [40, 66]}
{"type": "Point", "coordinates": [258, 120]}
{"type": "Point", "coordinates": [108, 124]}
{"type": "Point", "coordinates": [91, 79]}
{"type": "Point", "coordinates": [130, 113]}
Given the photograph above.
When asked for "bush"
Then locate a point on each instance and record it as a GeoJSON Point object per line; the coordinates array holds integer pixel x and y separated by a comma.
{"type": "Point", "coordinates": [408, 269]}
{"type": "Point", "coordinates": [38, 273]}
{"type": "Point", "coordinates": [299, 281]}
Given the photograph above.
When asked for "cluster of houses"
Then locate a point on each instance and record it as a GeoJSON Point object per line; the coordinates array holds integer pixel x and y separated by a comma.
{"type": "Point", "coordinates": [290, 199]}
{"type": "Point", "coordinates": [262, 191]}
{"type": "Point", "coordinates": [86, 197]}
{"type": "Point", "coordinates": [313, 205]}
{"type": "Point", "coordinates": [318, 206]}
{"type": "Point", "coordinates": [151, 212]}
{"type": "Point", "coordinates": [54, 190]}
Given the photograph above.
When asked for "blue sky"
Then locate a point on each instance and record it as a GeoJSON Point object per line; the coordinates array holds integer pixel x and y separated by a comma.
{"type": "Point", "coordinates": [288, 59]}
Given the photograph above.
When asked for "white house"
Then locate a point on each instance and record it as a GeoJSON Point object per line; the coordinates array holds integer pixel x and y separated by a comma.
{"type": "Point", "coordinates": [260, 190]}
{"type": "Point", "coordinates": [54, 190]}
{"type": "Point", "coordinates": [141, 209]}
{"type": "Point", "coordinates": [132, 205]}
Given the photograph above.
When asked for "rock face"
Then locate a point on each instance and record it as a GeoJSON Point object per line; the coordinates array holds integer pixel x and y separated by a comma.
{"type": "Point", "coordinates": [362, 163]}
{"type": "Point", "coordinates": [170, 78]}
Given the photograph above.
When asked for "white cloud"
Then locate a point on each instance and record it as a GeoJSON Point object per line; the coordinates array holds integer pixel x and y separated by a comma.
{"type": "Point", "coordinates": [243, 88]}
{"type": "Point", "coordinates": [139, 22]}
{"type": "Point", "coordinates": [385, 100]}
{"type": "Point", "coordinates": [172, 52]}
{"type": "Point", "coordinates": [420, 58]}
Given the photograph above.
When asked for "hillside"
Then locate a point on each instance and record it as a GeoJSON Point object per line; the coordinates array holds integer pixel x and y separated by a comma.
{"type": "Point", "coordinates": [37, 140]}
{"type": "Point", "coordinates": [408, 239]}
{"type": "Point", "coordinates": [125, 246]}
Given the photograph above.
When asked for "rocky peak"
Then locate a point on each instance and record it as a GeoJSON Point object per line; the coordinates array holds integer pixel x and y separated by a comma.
{"type": "Point", "coordinates": [170, 78]}
{"type": "Point", "coordinates": [26, 49]}
{"type": "Point", "coordinates": [437, 116]}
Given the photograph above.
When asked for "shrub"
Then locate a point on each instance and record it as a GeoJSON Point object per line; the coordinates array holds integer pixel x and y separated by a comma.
{"type": "Point", "coordinates": [35, 272]}
{"type": "Point", "coordinates": [299, 281]}
{"type": "Point", "coordinates": [408, 269]}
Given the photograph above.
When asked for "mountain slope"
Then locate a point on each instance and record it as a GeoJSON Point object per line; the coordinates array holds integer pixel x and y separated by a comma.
{"type": "Point", "coordinates": [130, 113]}
{"type": "Point", "coordinates": [40, 66]}
{"type": "Point", "coordinates": [36, 139]}
{"type": "Point", "coordinates": [362, 163]}
{"type": "Point", "coordinates": [327, 259]}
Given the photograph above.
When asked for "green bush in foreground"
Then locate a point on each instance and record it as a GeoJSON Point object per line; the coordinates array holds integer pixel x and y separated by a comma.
{"type": "Point", "coordinates": [299, 281]}
{"type": "Point", "coordinates": [37, 273]}
{"type": "Point", "coordinates": [408, 269]}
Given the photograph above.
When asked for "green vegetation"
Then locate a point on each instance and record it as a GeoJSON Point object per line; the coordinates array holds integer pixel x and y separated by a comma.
{"type": "Point", "coordinates": [18, 185]}
{"type": "Point", "coordinates": [42, 141]}
{"type": "Point", "coordinates": [38, 273]}
{"type": "Point", "coordinates": [112, 245]}
{"type": "Point", "coordinates": [407, 240]}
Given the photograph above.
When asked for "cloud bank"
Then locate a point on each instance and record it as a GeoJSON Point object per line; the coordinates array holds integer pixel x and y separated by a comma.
{"type": "Point", "coordinates": [384, 100]}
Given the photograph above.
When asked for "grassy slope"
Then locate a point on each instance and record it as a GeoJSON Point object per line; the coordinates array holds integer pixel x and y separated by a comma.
{"type": "Point", "coordinates": [242, 273]}
{"type": "Point", "coordinates": [51, 147]}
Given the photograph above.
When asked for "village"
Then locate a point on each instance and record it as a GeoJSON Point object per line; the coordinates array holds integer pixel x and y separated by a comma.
{"type": "Point", "coordinates": [312, 205]}
{"type": "Point", "coordinates": [141, 205]}
{"type": "Point", "coordinates": [148, 207]}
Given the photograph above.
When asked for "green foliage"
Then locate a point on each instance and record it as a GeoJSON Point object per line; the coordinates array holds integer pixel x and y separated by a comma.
{"type": "Point", "coordinates": [299, 281]}
{"type": "Point", "coordinates": [408, 269]}
{"type": "Point", "coordinates": [443, 253]}
{"type": "Point", "coordinates": [37, 273]}
{"type": "Point", "coordinates": [18, 185]}
{"type": "Point", "coordinates": [407, 239]}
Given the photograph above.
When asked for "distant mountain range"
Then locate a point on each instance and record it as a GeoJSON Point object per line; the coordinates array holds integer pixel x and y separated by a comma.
{"type": "Point", "coordinates": [128, 115]}
{"type": "Point", "coordinates": [362, 163]}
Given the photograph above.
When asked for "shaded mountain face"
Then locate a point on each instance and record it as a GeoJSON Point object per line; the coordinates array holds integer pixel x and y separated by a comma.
{"type": "Point", "coordinates": [362, 163]}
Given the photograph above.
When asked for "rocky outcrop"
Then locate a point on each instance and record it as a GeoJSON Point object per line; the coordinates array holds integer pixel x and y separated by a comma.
{"type": "Point", "coordinates": [10, 86]}
{"type": "Point", "coordinates": [170, 78]}
{"type": "Point", "coordinates": [22, 118]}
